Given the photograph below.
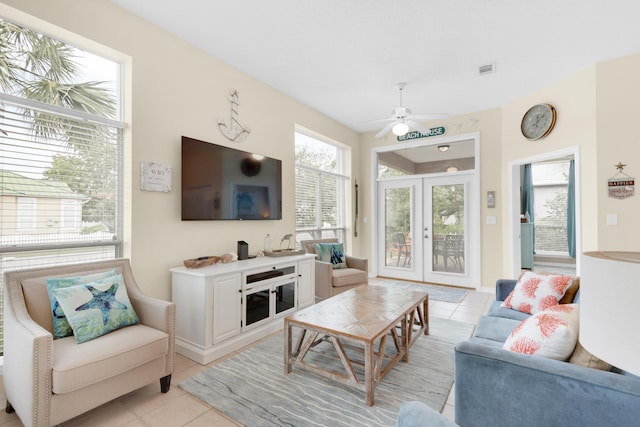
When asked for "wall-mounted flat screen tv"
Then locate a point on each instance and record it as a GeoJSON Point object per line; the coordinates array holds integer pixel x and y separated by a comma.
{"type": "Point", "coordinates": [222, 183]}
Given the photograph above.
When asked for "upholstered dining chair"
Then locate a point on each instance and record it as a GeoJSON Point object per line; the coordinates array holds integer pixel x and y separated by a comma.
{"type": "Point", "coordinates": [331, 281]}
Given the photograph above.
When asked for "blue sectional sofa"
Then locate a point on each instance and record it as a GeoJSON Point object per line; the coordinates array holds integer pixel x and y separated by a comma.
{"type": "Point", "coordinates": [496, 387]}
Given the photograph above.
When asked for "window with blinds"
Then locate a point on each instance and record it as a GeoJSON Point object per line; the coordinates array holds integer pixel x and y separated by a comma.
{"type": "Point", "coordinates": [321, 184]}
{"type": "Point", "coordinates": [60, 154]}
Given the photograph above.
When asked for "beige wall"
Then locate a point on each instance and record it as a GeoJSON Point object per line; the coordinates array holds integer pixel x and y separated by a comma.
{"type": "Point", "coordinates": [575, 101]}
{"type": "Point", "coordinates": [618, 114]}
{"type": "Point", "coordinates": [488, 124]}
{"type": "Point", "coordinates": [176, 90]}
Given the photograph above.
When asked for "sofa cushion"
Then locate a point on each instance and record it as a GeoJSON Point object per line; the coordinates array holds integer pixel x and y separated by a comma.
{"type": "Point", "coordinates": [497, 310]}
{"type": "Point", "coordinates": [486, 341]}
{"type": "Point", "coordinates": [495, 328]}
{"type": "Point", "coordinates": [96, 308]}
{"type": "Point", "coordinates": [551, 333]}
{"type": "Point", "coordinates": [332, 253]}
{"type": "Point", "coordinates": [76, 366]}
{"type": "Point", "coordinates": [536, 292]}
{"type": "Point", "coordinates": [348, 276]}
{"type": "Point", "coordinates": [61, 327]}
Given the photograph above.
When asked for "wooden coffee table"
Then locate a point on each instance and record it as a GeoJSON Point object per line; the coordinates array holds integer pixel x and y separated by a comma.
{"type": "Point", "coordinates": [358, 319]}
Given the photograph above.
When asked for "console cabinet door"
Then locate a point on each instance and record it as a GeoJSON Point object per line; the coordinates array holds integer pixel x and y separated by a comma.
{"type": "Point", "coordinates": [227, 313]}
{"type": "Point", "coordinates": [306, 280]}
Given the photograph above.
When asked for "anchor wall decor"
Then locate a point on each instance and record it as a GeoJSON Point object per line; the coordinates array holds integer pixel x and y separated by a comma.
{"type": "Point", "coordinates": [235, 131]}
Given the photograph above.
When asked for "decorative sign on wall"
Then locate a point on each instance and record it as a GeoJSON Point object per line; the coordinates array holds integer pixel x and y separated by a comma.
{"type": "Point", "coordinates": [234, 131]}
{"type": "Point", "coordinates": [440, 130]}
{"type": "Point", "coordinates": [155, 177]}
{"type": "Point", "coordinates": [621, 185]}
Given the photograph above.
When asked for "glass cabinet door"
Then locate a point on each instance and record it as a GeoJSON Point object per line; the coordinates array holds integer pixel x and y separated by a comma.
{"type": "Point", "coordinates": [256, 305]}
{"type": "Point", "coordinates": [285, 296]}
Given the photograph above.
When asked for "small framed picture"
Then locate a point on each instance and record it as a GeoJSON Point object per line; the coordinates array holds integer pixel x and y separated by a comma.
{"type": "Point", "coordinates": [155, 177]}
{"type": "Point", "coordinates": [491, 199]}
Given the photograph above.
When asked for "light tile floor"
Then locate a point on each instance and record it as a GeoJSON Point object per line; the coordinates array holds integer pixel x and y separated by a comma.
{"type": "Point", "coordinates": [148, 407]}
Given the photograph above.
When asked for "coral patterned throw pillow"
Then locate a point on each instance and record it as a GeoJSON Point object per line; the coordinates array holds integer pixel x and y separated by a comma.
{"type": "Point", "coordinates": [551, 333]}
{"type": "Point", "coordinates": [537, 292]}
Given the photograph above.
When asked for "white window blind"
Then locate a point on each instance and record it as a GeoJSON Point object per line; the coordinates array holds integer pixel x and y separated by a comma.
{"type": "Point", "coordinates": [60, 193]}
{"type": "Point", "coordinates": [320, 190]}
{"type": "Point", "coordinates": [25, 213]}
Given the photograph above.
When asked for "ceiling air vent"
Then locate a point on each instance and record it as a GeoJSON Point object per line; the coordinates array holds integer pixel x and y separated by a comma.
{"type": "Point", "coordinates": [486, 69]}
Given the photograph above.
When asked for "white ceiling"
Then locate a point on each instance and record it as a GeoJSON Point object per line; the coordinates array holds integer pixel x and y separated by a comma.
{"type": "Point", "coordinates": [344, 57]}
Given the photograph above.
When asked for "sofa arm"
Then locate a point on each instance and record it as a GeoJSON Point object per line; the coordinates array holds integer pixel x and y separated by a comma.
{"type": "Point", "coordinates": [538, 391]}
{"type": "Point", "coordinates": [504, 288]}
{"type": "Point", "coordinates": [417, 414]}
{"type": "Point", "coordinates": [358, 263]}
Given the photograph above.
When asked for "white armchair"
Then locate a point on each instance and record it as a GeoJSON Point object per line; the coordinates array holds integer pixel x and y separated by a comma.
{"type": "Point", "coordinates": [50, 381]}
{"type": "Point", "coordinates": [330, 281]}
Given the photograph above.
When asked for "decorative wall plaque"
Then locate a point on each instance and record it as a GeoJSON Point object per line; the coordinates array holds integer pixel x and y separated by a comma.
{"type": "Point", "coordinates": [155, 177]}
{"type": "Point", "coordinates": [621, 185]}
{"type": "Point", "coordinates": [234, 131]}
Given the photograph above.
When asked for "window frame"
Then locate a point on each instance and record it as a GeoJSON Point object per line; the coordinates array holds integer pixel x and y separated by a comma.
{"type": "Point", "coordinates": [117, 246]}
{"type": "Point", "coordinates": [342, 191]}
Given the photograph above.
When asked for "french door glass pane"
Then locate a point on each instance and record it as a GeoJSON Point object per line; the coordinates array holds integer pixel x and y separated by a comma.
{"type": "Point", "coordinates": [448, 228]}
{"type": "Point", "coordinates": [398, 227]}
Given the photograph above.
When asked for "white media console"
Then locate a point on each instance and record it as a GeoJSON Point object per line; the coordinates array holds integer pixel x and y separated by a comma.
{"type": "Point", "coordinates": [224, 307]}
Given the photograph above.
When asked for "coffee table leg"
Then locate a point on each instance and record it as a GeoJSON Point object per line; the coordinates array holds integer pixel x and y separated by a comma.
{"type": "Point", "coordinates": [405, 329]}
{"type": "Point", "coordinates": [287, 347]}
{"type": "Point", "coordinates": [368, 373]}
{"type": "Point", "coordinates": [425, 315]}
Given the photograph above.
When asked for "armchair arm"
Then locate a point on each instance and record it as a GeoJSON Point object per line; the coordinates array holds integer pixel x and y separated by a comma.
{"type": "Point", "coordinates": [531, 385]}
{"type": "Point", "coordinates": [153, 312]}
{"type": "Point", "coordinates": [359, 263]}
{"type": "Point", "coordinates": [28, 383]}
{"type": "Point", "coordinates": [324, 279]}
{"type": "Point", "coordinates": [504, 288]}
{"type": "Point", "coordinates": [157, 314]}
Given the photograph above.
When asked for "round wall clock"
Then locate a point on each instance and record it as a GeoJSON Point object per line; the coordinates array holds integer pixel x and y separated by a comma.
{"type": "Point", "coordinates": [538, 121]}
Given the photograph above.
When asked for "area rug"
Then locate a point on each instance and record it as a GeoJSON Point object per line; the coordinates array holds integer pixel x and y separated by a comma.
{"type": "Point", "coordinates": [252, 388]}
{"type": "Point", "coordinates": [436, 292]}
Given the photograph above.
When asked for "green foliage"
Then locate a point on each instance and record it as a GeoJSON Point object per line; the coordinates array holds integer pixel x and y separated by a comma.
{"type": "Point", "coordinates": [557, 209]}
{"type": "Point", "coordinates": [37, 67]}
{"type": "Point", "coordinates": [448, 209]}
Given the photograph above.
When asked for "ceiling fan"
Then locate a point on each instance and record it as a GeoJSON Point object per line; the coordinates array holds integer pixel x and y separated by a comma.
{"type": "Point", "coordinates": [401, 120]}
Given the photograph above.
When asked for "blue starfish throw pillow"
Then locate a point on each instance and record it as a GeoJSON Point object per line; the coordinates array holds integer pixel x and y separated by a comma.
{"type": "Point", "coordinates": [96, 308]}
{"type": "Point", "coordinates": [61, 327]}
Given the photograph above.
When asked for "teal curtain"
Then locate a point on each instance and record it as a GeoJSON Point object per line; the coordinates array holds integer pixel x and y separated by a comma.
{"type": "Point", "coordinates": [571, 211]}
{"type": "Point", "coordinates": [526, 204]}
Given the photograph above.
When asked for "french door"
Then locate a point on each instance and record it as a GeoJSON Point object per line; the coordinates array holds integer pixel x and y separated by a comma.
{"type": "Point", "coordinates": [428, 229]}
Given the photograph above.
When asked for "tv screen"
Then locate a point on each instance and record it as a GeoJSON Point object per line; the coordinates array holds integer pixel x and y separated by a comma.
{"type": "Point", "coordinates": [222, 183]}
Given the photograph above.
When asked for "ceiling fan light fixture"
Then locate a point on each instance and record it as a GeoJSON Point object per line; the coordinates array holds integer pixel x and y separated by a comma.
{"type": "Point", "coordinates": [443, 148]}
{"type": "Point", "coordinates": [400, 129]}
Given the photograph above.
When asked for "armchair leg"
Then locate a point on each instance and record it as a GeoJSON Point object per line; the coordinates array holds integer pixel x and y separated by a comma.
{"type": "Point", "coordinates": [9, 409]}
{"type": "Point", "coordinates": [165, 384]}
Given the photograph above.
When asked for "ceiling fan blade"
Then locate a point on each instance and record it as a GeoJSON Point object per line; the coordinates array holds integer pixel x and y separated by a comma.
{"type": "Point", "coordinates": [429, 116]}
{"type": "Point", "coordinates": [417, 126]}
{"type": "Point", "coordinates": [384, 130]}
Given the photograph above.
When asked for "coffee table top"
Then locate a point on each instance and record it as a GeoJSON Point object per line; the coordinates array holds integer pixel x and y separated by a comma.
{"type": "Point", "coordinates": [363, 313]}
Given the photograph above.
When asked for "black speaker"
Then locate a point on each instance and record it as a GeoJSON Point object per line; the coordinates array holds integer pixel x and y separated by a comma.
{"type": "Point", "coordinates": [243, 250]}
